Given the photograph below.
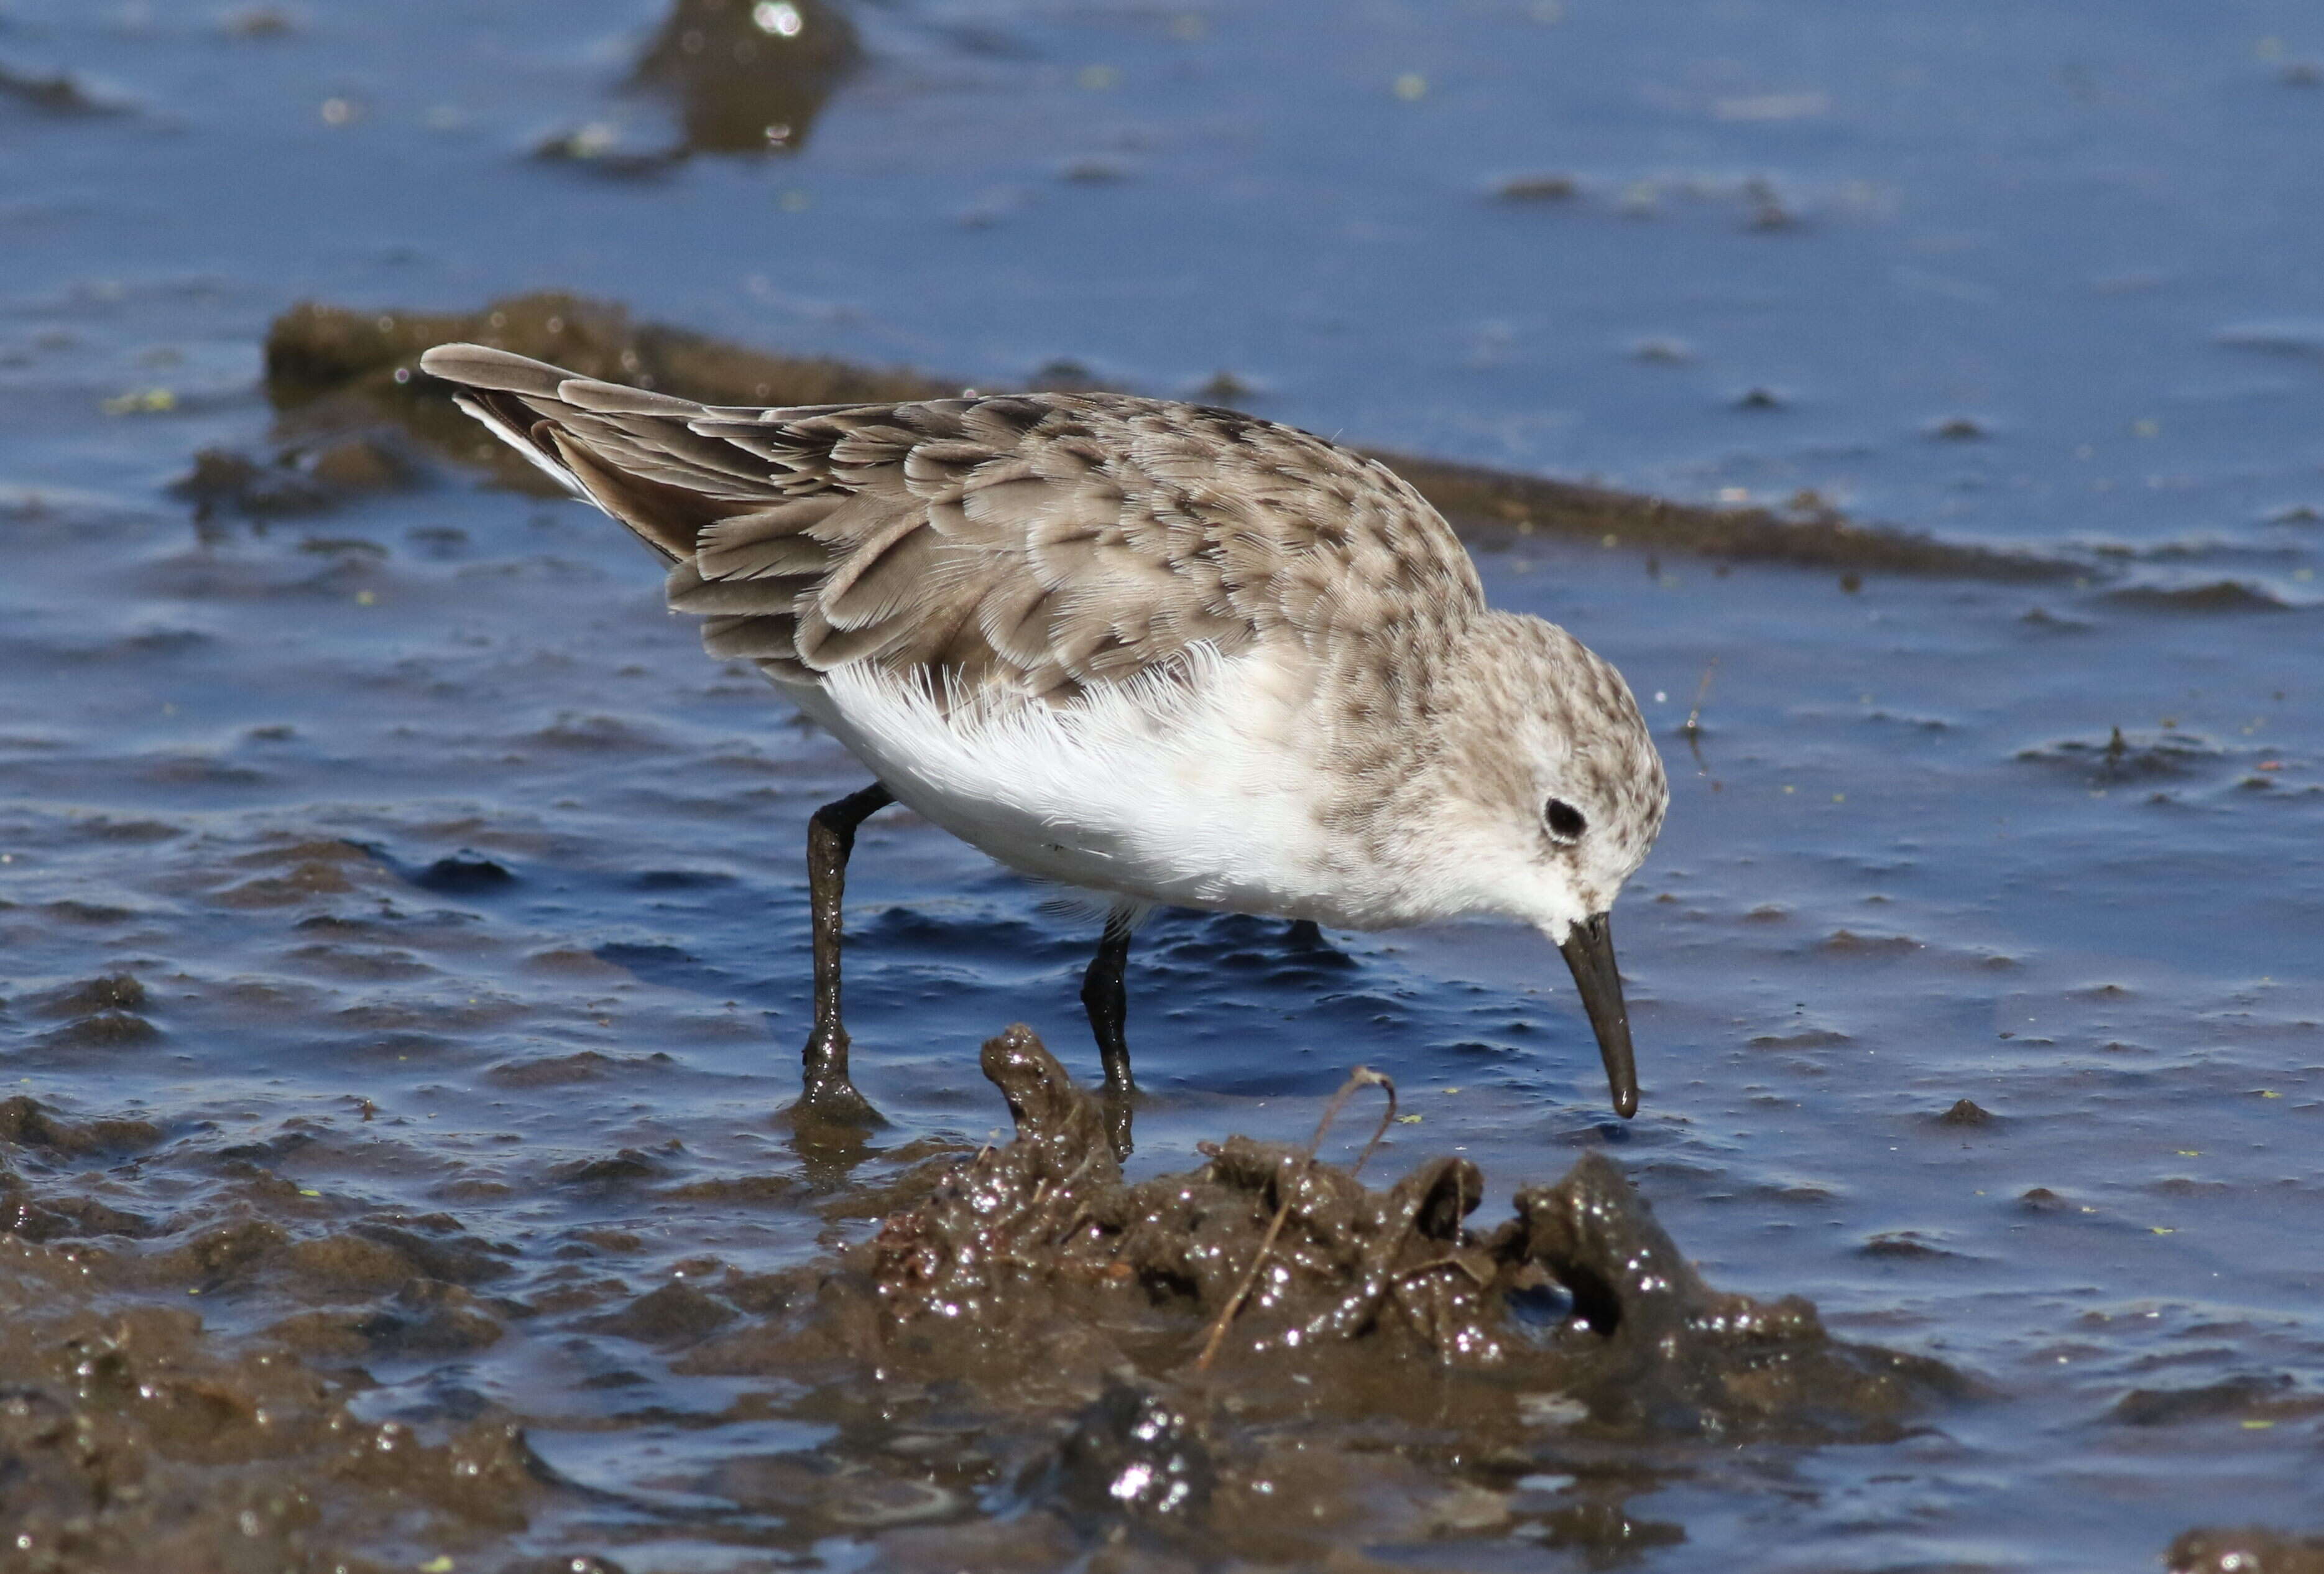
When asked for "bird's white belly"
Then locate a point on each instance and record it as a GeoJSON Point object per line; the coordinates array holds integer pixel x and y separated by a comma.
{"type": "Point", "coordinates": [1188, 793]}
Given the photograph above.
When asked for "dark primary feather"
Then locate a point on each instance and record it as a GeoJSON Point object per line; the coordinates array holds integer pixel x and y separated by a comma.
{"type": "Point", "coordinates": [1035, 542]}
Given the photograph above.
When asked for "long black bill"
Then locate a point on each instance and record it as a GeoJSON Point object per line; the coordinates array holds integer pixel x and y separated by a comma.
{"type": "Point", "coordinates": [1588, 950]}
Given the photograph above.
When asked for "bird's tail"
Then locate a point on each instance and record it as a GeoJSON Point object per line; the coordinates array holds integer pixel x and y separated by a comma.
{"type": "Point", "coordinates": [580, 432]}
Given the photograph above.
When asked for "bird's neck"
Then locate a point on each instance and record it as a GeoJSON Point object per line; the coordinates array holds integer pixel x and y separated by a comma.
{"type": "Point", "coordinates": [1413, 759]}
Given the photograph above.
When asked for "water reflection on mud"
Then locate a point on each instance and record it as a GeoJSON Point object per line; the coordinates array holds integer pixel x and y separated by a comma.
{"type": "Point", "coordinates": [748, 76]}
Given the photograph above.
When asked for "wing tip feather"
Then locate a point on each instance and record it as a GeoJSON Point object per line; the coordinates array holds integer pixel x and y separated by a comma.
{"type": "Point", "coordinates": [482, 366]}
{"type": "Point", "coordinates": [524, 441]}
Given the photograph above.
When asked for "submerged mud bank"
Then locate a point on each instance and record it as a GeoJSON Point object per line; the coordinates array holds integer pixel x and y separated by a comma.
{"type": "Point", "coordinates": [135, 1431]}
{"type": "Point", "coordinates": [331, 369]}
{"type": "Point", "coordinates": [1028, 1328]}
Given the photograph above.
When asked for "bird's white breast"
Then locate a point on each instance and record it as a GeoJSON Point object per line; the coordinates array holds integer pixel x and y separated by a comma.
{"type": "Point", "coordinates": [1192, 790]}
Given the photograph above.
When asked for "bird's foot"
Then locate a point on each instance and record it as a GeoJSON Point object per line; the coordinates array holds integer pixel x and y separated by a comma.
{"type": "Point", "coordinates": [827, 1097]}
{"type": "Point", "coordinates": [836, 1103]}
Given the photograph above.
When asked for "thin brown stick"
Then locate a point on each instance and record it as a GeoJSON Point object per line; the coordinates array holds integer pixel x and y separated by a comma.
{"type": "Point", "coordinates": [1702, 692]}
{"type": "Point", "coordinates": [1693, 727]}
{"type": "Point", "coordinates": [1361, 1076]}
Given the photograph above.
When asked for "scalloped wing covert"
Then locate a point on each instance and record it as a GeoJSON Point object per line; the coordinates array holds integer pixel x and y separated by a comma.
{"type": "Point", "coordinates": [1027, 544]}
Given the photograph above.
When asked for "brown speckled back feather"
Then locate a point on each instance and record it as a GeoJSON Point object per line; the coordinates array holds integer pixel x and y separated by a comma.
{"type": "Point", "coordinates": [1028, 543]}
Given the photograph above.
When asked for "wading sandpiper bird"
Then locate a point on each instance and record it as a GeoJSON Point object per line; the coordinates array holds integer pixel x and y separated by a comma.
{"type": "Point", "coordinates": [1162, 653]}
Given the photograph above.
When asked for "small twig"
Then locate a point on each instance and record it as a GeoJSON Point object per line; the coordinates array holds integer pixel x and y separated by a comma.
{"type": "Point", "coordinates": [1361, 1076]}
{"type": "Point", "coordinates": [1693, 727]}
{"type": "Point", "coordinates": [1702, 692]}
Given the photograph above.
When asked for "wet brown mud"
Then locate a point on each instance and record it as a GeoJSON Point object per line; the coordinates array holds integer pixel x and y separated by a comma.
{"type": "Point", "coordinates": [1025, 1329]}
{"type": "Point", "coordinates": [1812, 535]}
{"type": "Point", "coordinates": [748, 78]}
{"type": "Point", "coordinates": [331, 368]}
{"type": "Point", "coordinates": [740, 79]}
{"type": "Point", "coordinates": [1380, 1361]}
{"type": "Point", "coordinates": [135, 1433]}
{"type": "Point", "coordinates": [330, 371]}
{"type": "Point", "coordinates": [1046, 1230]}
{"type": "Point", "coordinates": [2251, 1549]}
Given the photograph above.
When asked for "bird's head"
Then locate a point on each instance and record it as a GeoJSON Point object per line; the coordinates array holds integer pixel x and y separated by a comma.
{"type": "Point", "coordinates": [1565, 795]}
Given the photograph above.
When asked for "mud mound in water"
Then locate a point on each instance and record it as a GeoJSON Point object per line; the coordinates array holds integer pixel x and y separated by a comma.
{"type": "Point", "coordinates": [1387, 1372]}
{"type": "Point", "coordinates": [749, 78]}
{"type": "Point", "coordinates": [329, 369]}
{"type": "Point", "coordinates": [1580, 1297]}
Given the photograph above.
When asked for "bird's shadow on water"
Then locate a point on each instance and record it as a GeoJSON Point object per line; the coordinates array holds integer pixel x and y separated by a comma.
{"type": "Point", "coordinates": [1251, 1006]}
{"type": "Point", "coordinates": [1295, 954]}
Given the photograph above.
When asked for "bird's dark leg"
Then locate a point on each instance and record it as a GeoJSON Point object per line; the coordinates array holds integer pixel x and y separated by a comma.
{"type": "Point", "coordinates": [1106, 998]}
{"type": "Point", "coordinates": [825, 1093]}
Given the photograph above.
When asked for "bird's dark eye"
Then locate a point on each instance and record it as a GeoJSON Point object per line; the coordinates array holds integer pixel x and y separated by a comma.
{"type": "Point", "coordinates": [1565, 821]}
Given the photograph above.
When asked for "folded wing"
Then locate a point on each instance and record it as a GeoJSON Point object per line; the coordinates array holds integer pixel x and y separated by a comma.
{"type": "Point", "coordinates": [1027, 544]}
